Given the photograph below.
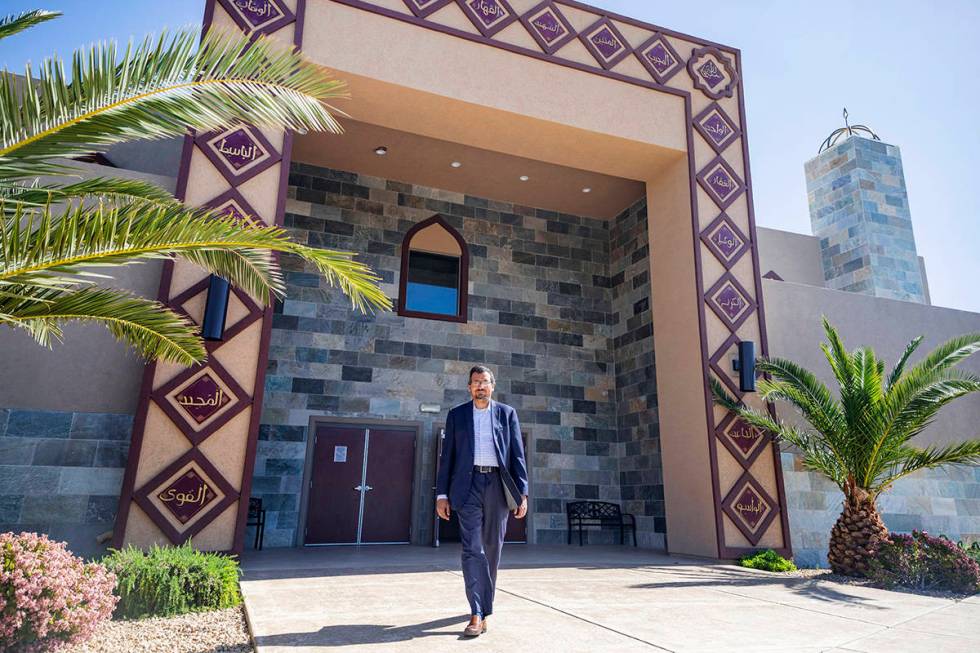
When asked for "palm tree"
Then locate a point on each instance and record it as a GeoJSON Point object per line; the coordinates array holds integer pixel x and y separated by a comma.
{"type": "Point", "coordinates": [55, 238]}
{"type": "Point", "coordinates": [861, 439]}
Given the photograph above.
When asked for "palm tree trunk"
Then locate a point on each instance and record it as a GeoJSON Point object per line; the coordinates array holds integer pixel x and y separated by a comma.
{"type": "Point", "coordinates": [857, 531]}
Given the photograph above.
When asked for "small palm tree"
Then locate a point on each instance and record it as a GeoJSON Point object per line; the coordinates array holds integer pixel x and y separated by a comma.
{"type": "Point", "coordinates": [861, 440]}
{"type": "Point", "coordinates": [56, 237]}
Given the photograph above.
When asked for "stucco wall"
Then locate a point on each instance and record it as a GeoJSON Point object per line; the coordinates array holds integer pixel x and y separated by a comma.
{"type": "Point", "coordinates": [943, 501]}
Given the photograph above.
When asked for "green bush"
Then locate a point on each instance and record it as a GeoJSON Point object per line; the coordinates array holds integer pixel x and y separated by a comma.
{"type": "Point", "coordinates": [767, 560]}
{"type": "Point", "coordinates": [166, 581]}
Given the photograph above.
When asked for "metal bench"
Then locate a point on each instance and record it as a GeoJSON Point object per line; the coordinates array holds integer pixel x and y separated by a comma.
{"type": "Point", "coordinates": [256, 517]}
{"type": "Point", "coordinates": [598, 513]}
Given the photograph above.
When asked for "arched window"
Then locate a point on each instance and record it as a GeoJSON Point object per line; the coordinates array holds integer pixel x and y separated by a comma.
{"type": "Point", "coordinates": [435, 265]}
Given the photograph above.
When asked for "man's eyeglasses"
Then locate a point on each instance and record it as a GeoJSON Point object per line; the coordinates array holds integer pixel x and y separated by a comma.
{"type": "Point", "coordinates": [481, 384]}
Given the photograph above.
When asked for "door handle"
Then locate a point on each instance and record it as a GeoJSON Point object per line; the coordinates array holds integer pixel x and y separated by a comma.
{"type": "Point", "coordinates": [363, 488]}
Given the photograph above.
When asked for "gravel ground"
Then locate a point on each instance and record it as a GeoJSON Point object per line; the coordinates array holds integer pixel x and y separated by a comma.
{"type": "Point", "coordinates": [220, 631]}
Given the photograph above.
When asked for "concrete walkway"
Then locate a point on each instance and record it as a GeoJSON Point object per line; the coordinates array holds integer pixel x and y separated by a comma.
{"type": "Point", "coordinates": [580, 599]}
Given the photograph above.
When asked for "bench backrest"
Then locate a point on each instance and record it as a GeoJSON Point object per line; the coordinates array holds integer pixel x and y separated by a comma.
{"type": "Point", "coordinates": [593, 510]}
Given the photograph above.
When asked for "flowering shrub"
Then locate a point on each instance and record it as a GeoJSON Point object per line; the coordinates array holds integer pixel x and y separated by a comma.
{"type": "Point", "coordinates": [48, 597]}
{"type": "Point", "coordinates": [924, 562]}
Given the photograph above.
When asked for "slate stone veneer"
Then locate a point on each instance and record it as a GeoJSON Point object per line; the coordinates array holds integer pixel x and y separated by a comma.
{"type": "Point", "coordinates": [60, 473]}
{"type": "Point", "coordinates": [558, 308]}
{"type": "Point", "coordinates": [859, 209]}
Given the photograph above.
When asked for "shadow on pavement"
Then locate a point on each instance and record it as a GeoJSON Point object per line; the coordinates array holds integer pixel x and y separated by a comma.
{"type": "Point", "coordinates": [350, 634]}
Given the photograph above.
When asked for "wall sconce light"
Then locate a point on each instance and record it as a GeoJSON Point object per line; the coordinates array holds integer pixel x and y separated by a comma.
{"type": "Point", "coordinates": [745, 366]}
{"type": "Point", "coordinates": [215, 309]}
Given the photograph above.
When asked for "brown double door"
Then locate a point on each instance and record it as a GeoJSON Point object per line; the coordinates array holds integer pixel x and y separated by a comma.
{"type": "Point", "coordinates": [361, 485]}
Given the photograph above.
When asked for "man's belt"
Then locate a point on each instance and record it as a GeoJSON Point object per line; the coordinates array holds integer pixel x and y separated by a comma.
{"type": "Point", "coordinates": [485, 469]}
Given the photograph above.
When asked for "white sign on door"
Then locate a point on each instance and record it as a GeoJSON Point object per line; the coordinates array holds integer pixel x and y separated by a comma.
{"type": "Point", "coordinates": [340, 454]}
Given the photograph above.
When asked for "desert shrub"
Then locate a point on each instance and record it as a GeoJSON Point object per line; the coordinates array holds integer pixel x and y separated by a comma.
{"type": "Point", "coordinates": [166, 581]}
{"type": "Point", "coordinates": [767, 560]}
{"type": "Point", "coordinates": [49, 598]}
{"type": "Point", "coordinates": [921, 561]}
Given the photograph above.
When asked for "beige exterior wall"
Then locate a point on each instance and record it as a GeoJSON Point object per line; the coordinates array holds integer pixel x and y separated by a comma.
{"type": "Point", "coordinates": [89, 371]}
{"type": "Point", "coordinates": [793, 313]}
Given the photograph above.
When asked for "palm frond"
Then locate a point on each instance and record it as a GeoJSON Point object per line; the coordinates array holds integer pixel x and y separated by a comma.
{"type": "Point", "coordinates": [159, 89]}
{"type": "Point", "coordinates": [899, 368]}
{"type": "Point", "coordinates": [109, 188]}
{"type": "Point", "coordinates": [15, 23]}
{"type": "Point", "coordinates": [912, 459]}
{"type": "Point", "coordinates": [950, 353]}
{"type": "Point", "coordinates": [153, 330]}
{"type": "Point", "coordinates": [42, 251]}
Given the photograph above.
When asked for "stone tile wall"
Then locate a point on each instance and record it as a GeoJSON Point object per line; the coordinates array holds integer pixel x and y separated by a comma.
{"type": "Point", "coordinates": [940, 502]}
{"type": "Point", "coordinates": [859, 210]}
{"type": "Point", "coordinates": [637, 423]}
{"type": "Point", "coordinates": [541, 315]}
{"type": "Point", "coordinates": [60, 473]}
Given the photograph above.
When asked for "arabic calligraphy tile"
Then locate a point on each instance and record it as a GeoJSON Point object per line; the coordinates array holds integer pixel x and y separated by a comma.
{"type": "Point", "coordinates": [712, 72]}
{"type": "Point", "coordinates": [548, 26]}
{"type": "Point", "coordinates": [750, 507]}
{"type": "Point", "coordinates": [258, 16]}
{"type": "Point", "coordinates": [239, 152]}
{"type": "Point", "coordinates": [201, 399]}
{"type": "Point", "coordinates": [744, 441]}
{"type": "Point", "coordinates": [423, 8]}
{"type": "Point", "coordinates": [725, 240]}
{"type": "Point", "coordinates": [186, 496]}
{"type": "Point", "coordinates": [232, 204]}
{"type": "Point", "coordinates": [605, 42]}
{"type": "Point", "coordinates": [489, 16]}
{"type": "Point", "coordinates": [719, 180]}
{"type": "Point", "coordinates": [730, 301]}
{"type": "Point", "coordinates": [659, 57]}
{"type": "Point", "coordinates": [716, 127]}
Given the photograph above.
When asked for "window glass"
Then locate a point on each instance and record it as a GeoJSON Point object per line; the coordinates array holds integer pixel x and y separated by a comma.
{"type": "Point", "coordinates": [433, 283]}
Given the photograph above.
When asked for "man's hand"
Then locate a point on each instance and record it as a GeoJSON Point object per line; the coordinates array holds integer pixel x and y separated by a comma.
{"type": "Point", "coordinates": [442, 508]}
{"type": "Point", "coordinates": [521, 510]}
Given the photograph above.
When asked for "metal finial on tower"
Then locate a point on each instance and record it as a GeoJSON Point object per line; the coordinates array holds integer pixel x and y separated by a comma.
{"type": "Point", "coordinates": [846, 132]}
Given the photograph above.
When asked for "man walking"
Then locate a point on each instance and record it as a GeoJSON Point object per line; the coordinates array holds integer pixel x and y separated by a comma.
{"type": "Point", "coordinates": [482, 474]}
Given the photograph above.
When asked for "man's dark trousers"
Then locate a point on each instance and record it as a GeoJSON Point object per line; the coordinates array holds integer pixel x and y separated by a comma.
{"type": "Point", "coordinates": [482, 526]}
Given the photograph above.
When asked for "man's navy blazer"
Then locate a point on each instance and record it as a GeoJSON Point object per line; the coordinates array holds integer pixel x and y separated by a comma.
{"type": "Point", "coordinates": [456, 463]}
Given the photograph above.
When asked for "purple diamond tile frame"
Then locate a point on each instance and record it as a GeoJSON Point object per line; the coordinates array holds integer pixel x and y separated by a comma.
{"type": "Point", "coordinates": [545, 18]}
{"type": "Point", "coordinates": [721, 364]}
{"type": "Point", "coordinates": [727, 289]}
{"type": "Point", "coordinates": [725, 240]}
{"type": "Point", "coordinates": [717, 127]}
{"type": "Point", "coordinates": [247, 14]}
{"type": "Point", "coordinates": [697, 62]}
{"type": "Point", "coordinates": [599, 28]}
{"type": "Point", "coordinates": [226, 166]}
{"type": "Point", "coordinates": [488, 16]}
{"type": "Point", "coordinates": [233, 203]}
{"type": "Point", "coordinates": [423, 8]}
{"type": "Point", "coordinates": [731, 420]}
{"type": "Point", "coordinates": [660, 58]}
{"type": "Point", "coordinates": [241, 400]}
{"type": "Point", "coordinates": [255, 312]}
{"type": "Point", "coordinates": [752, 534]}
{"type": "Point", "coordinates": [720, 182]}
{"type": "Point", "coordinates": [196, 460]}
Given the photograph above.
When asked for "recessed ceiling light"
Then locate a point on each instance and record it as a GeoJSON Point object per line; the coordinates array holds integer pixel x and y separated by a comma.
{"type": "Point", "coordinates": [456, 164]}
{"type": "Point", "coordinates": [381, 150]}
{"type": "Point", "coordinates": [523, 177]}
{"type": "Point", "coordinates": [586, 190]}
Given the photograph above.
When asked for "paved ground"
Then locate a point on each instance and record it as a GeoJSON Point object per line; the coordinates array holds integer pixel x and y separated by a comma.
{"type": "Point", "coordinates": [580, 599]}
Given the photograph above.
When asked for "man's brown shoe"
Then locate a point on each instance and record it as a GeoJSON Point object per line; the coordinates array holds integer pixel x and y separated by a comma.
{"type": "Point", "coordinates": [475, 630]}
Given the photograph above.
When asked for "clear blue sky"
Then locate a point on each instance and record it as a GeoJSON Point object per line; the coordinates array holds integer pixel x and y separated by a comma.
{"type": "Point", "coordinates": [905, 68]}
